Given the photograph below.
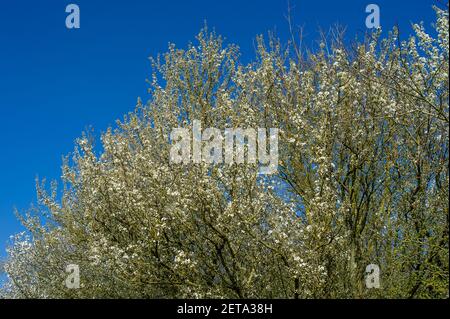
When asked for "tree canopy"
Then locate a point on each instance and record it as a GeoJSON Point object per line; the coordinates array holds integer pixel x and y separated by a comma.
{"type": "Point", "coordinates": [363, 178]}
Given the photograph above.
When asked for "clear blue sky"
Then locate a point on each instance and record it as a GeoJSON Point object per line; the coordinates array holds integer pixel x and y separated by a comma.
{"type": "Point", "coordinates": [54, 82]}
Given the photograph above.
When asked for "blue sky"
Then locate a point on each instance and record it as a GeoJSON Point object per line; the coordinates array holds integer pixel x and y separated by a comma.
{"type": "Point", "coordinates": [55, 82]}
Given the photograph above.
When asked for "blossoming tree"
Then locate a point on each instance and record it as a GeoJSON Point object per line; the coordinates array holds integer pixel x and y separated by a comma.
{"type": "Point", "coordinates": [363, 178]}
